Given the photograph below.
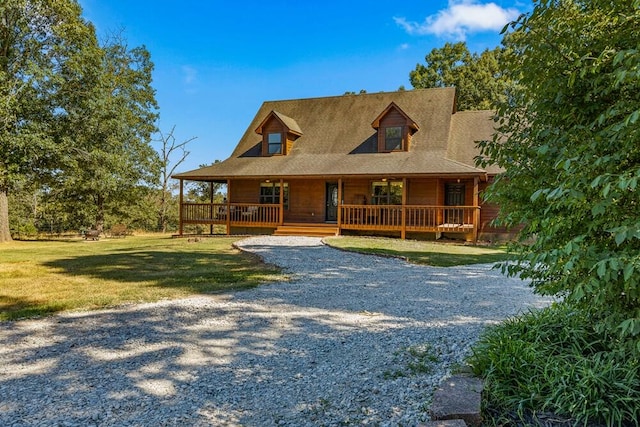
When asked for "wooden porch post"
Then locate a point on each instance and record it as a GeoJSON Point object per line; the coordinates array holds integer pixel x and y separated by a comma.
{"type": "Point", "coordinates": [281, 209]}
{"type": "Point", "coordinates": [476, 212]}
{"type": "Point", "coordinates": [181, 228]}
{"type": "Point", "coordinates": [339, 204]}
{"type": "Point", "coordinates": [228, 207]}
{"type": "Point", "coordinates": [403, 232]}
{"type": "Point", "coordinates": [211, 206]}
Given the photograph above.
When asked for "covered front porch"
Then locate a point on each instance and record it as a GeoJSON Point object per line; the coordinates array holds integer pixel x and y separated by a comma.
{"type": "Point", "coordinates": [403, 219]}
{"type": "Point", "coordinates": [391, 206]}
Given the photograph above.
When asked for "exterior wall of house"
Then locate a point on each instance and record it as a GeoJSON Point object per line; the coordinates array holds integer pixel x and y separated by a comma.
{"type": "Point", "coordinates": [274, 126]}
{"type": "Point", "coordinates": [393, 118]}
{"type": "Point", "coordinates": [245, 191]}
{"type": "Point", "coordinates": [422, 191]}
{"type": "Point", "coordinates": [488, 212]}
{"type": "Point", "coordinates": [357, 192]}
{"type": "Point", "coordinates": [306, 201]}
{"type": "Point", "coordinates": [307, 197]}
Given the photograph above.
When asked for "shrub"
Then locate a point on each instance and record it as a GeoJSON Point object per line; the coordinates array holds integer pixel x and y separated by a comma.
{"type": "Point", "coordinates": [554, 361]}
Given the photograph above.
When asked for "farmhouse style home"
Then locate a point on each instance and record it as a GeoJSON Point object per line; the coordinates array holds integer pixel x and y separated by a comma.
{"type": "Point", "coordinates": [396, 163]}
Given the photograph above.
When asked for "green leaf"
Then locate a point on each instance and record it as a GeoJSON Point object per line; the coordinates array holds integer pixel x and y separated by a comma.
{"type": "Point", "coordinates": [535, 196]}
{"type": "Point", "coordinates": [568, 248]}
{"type": "Point", "coordinates": [602, 269]}
{"type": "Point", "coordinates": [598, 209]}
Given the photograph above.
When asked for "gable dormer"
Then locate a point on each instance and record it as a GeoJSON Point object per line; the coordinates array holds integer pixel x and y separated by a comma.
{"type": "Point", "coordinates": [395, 129]}
{"type": "Point", "coordinates": [278, 134]}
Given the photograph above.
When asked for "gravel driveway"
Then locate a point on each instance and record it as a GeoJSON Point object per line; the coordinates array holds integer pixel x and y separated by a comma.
{"type": "Point", "coordinates": [343, 343]}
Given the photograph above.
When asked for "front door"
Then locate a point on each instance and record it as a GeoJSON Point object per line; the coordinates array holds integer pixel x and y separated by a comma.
{"type": "Point", "coordinates": [454, 196]}
{"type": "Point", "coordinates": [331, 214]}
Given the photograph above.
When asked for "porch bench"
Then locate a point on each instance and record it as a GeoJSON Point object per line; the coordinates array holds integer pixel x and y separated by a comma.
{"type": "Point", "coordinates": [118, 230]}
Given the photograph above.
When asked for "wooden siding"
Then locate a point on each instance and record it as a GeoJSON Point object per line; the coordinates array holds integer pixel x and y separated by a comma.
{"type": "Point", "coordinates": [245, 191]}
{"type": "Point", "coordinates": [306, 201]}
{"type": "Point", "coordinates": [422, 192]}
{"type": "Point", "coordinates": [392, 118]}
{"type": "Point", "coordinates": [488, 213]}
{"type": "Point", "coordinates": [273, 125]}
{"type": "Point", "coordinates": [357, 192]}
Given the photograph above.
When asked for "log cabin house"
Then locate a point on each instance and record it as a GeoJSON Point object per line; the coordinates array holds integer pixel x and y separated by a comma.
{"type": "Point", "coordinates": [394, 163]}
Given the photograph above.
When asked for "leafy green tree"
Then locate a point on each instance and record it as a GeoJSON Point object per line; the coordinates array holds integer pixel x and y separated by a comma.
{"type": "Point", "coordinates": [38, 38]}
{"type": "Point", "coordinates": [110, 127]}
{"type": "Point", "coordinates": [479, 79]}
{"type": "Point", "coordinates": [205, 192]}
{"type": "Point", "coordinates": [568, 141]}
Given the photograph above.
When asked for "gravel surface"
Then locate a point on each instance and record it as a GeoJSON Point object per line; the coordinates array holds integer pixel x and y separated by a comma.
{"type": "Point", "coordinates": [351, 340]}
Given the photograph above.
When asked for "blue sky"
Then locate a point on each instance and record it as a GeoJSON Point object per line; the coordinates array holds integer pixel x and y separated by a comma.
{"type": "Point", "coordinates": [217, 61]}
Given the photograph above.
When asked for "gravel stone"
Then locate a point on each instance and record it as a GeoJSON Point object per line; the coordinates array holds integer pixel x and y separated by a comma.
{"type": "Point", "coordinates": [334, 345]}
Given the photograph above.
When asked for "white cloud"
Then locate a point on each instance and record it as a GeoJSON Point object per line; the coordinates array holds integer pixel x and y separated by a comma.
{"type": "Point", "coordinates": [190, 74]}
{"type": "Point", "coordinates": [460, 18]}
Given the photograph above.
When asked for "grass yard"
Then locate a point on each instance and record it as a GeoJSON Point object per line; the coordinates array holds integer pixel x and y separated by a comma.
{"type": "Point", "coordinates": [41, 277]}
{"type": "Point", "coordinates": [437, 254]}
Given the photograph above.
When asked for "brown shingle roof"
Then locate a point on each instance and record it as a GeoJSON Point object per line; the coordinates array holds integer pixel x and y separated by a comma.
{"type": "Point", "coordinates": [339, 140]}
{"type": "Point", "coordinates": [290, 123]}
{"type": "Point", "coordinates": [467, 129]}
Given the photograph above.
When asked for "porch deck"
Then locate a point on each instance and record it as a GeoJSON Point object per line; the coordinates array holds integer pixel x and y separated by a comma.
{"type": "Point", "coordinates": [393, 218]}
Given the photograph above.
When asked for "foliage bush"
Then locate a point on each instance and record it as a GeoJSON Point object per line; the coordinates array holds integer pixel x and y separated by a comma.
{"type": "Point", "coordinates": [568, 141]}
{"type": "Point", "coordinates": [555, 361]}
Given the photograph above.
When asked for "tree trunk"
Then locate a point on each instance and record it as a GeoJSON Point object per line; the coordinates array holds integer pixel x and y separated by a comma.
{"type": "Point", "coordinates": [163, 211]}
{"type": "Point", "coordinates": [100, 214]}
{"type": "Point", "coordinates": [5, 233]}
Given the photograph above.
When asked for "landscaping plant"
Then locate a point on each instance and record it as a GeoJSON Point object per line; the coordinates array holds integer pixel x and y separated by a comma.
{"type": "Point", "coordinates": [553, 361]}
{"type": "Point", "coordinates": [568, 141]}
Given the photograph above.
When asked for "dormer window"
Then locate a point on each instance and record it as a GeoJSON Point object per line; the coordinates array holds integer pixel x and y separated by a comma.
{"type": "Point", "coordinates": [393, 138]}
{"type": "Point", "coordinates": [275, 143]}
{"type": "Point", "coordinates": [395, 129]}
{"type": "Point", "coordinates": [278, 134]}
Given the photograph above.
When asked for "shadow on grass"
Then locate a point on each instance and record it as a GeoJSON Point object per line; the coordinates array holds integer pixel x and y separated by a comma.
{"type": "Point", "coordinates": [13, 308]}
{"type": "Point", "coordinates": [188, 270]}
{"type": "Point", "coordinates": [135, 276]}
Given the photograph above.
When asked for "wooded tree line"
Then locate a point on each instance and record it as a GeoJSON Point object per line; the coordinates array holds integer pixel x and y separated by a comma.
{"type": "Point", "coordinates": [77, 118]}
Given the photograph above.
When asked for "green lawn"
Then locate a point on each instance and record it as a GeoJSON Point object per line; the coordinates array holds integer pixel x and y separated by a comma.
{"type": "Point", "coordinates": [40, 277]}
{"type": "Point", "coordinates": [437, 254]}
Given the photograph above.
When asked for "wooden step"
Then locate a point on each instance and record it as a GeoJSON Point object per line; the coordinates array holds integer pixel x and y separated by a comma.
{"type": "Point", "coordinates": [311, 230]}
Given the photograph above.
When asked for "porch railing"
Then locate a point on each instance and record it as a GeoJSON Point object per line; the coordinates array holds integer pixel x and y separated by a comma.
{"type": "Point", "coordinates": [233, 213]}
{"type": "Point", "coordinates": [456, 219]}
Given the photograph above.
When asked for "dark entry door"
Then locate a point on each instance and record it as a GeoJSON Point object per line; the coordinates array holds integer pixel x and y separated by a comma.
{"type": "Point", "coordinates": [454, 196]}
{"type": "Point", "coordinates": [331, 202]}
